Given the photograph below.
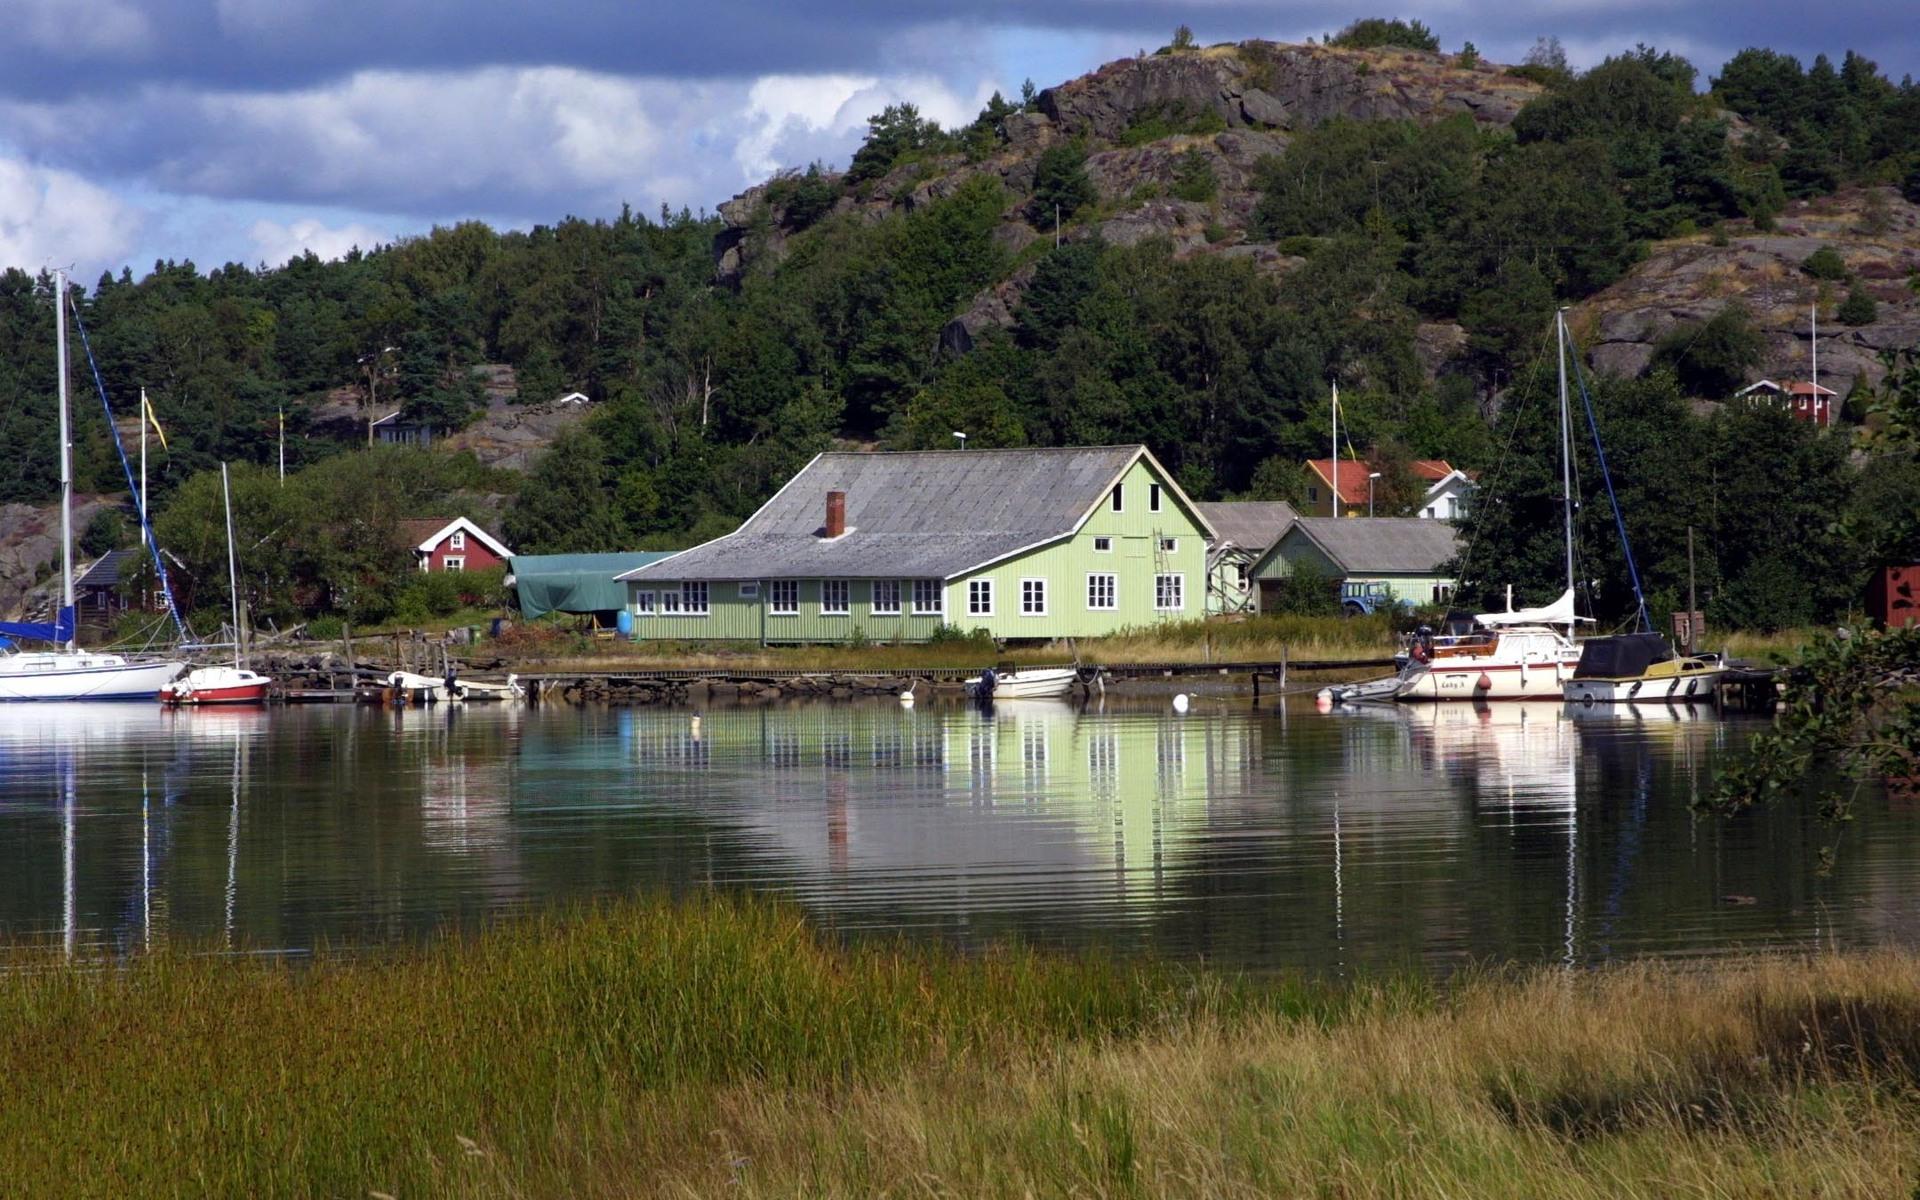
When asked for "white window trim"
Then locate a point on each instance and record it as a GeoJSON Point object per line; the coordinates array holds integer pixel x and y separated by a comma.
{"type": "Point", "coordinates": [938, 590]}
{"type": "Point", "coordinates": [873, 598]}
{"type": "Point", "coordinates": [846, 589]}
{"type": "Point", "coordinates": [1113, 590]}
{"type": "Point", "coordinates": [646, 604]}
{"type": "Point", "coordinates": [1043, 596]}
{"type": "Point", "coordinates": [773, 598]}
{"type": "Point", "coordinates": [686, 609]}
{"type": "Point", "coordinates": [675, 608]}
{"type": "Point", "coordinates": [983, 583]}
{"type": "Point", "coordinates": [1169, 545]}
{"type": "Point", "coordinates": [457, 540]}
{"type": "Point", "coordinates": [1106, 549]}
{"type": "Point", "coordinates": [453, 562]}
{"type": "Point", "coordinates": [1181, 577]}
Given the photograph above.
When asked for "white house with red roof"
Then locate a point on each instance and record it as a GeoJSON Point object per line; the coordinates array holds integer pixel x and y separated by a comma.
{"type": "Point", "coordinates": [1803, 400]}
{"type": "Point", "coordinates": [453, 544]}
{"type": "Point", "coordinates": [1448, 488]}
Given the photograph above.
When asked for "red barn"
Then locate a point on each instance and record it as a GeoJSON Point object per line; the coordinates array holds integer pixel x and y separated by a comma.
{"type": "Point", "coordinates": [1893, 598]}
{"type": "Point", "coordinates": [456, 544]}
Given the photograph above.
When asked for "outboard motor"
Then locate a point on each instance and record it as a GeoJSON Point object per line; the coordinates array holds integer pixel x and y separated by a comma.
{"type": "Point", "coordinates": [983, 687]}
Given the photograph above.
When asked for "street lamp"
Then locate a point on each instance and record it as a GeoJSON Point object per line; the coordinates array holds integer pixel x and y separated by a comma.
{"type": "Point", "coordinates": [962, 437]}
{"type": "Point", "coordinates": [1371, 476]}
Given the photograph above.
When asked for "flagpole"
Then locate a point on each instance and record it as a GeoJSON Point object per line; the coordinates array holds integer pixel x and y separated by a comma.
{"type": "Point", "coordinates": [1336, 447]}
{"type": "Point", "coordinates": [283, 445]}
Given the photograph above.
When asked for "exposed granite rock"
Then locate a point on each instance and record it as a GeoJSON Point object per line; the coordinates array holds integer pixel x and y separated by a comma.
{"type": "Point", "coordinates": [1438, 343]}
{"type": "Point", "coordinates": [30, 549]}
{"type": "Point", "coordinates": [991, 309]}
{"type": "Point", "coordinates": [1691, 280]}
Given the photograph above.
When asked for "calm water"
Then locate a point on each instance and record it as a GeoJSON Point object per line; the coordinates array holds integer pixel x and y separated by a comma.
{"type": "Point", "coordinates": [1270, 839]}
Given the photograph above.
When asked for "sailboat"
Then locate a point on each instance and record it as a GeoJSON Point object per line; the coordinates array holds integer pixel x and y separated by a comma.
{"type": "Point", "coordinates": [1524, 654]}
{"type": "Point", "coordinates": [67, 672]}
{"type": "Point", "coordinates": [221, 685]}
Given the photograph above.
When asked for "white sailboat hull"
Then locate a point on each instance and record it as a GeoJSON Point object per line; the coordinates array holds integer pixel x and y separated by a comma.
{"type": "Point", "coordinates": [80, 676]}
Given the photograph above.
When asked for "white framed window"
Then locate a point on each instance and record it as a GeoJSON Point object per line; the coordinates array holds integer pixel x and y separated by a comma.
{"type": "Point", "coordinates": [1103, 545]}
{"type": "Point", "coordinates": [783, 597]}
{"type": "Point", "coordinates": [750, 591]}
{"type": "Point", "coordinates": [1169, 545]}
{"type": "Point", "coordinates": [458, 540]}
{"type": "Point", "coordinates": [1442, 592]}
{"type": "Point", "coordinates": [453, 562]}
{"type": "Point", "coordinates": [886, 597]}
{"type": "Point", "coordinates": [926, 598]}
{"type": "Point", "coordinates": [980, 597]}
{"type": "Point", "coordinates": [644, 605]}
{"type": "Point", "coordinates": [1170, 592]}
{"type": "Point", "coordinates": [670, 605]}
{"type": "Point", "coordinates": [1033, 597]}
{"type": "Point", "coordinates": [693, 597]}
{"type": "Point", "coordinates": [1153, 497]}
{"type": "Point", "coordinates": [1116, 501]}
{"type": "Point", "coordinates": [834, 598]}
{"type": "Point", "coordinates": [1103, 591]}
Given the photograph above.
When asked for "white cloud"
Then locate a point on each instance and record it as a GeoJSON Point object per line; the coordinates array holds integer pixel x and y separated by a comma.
{"type": "Point", "coordinates": [786, 111]}
{"type": "Point", "coordinates": [55, 218]}
{"type": "Point", "coordinates": [274, 243]}
{"type": "Point", "coordinates": [107, 28]}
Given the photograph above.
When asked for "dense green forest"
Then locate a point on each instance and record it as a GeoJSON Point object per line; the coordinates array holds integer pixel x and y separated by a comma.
{"type": "Point", "coordinates": [710, 395]}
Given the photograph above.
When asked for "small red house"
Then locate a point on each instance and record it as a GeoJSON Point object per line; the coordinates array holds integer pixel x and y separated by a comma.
{"type": "Point", "coordinates": [1893, 598]}
{"type": "Point", "coordinates": [440, 544]}
{"type": "Point", "coordinates": [1804, 400]}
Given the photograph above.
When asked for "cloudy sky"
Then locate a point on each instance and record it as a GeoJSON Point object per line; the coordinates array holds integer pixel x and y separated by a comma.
{"type": "Point", "coordinates": [249, 130]}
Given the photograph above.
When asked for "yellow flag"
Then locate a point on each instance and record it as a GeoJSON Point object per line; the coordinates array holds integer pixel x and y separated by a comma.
{"type": "Point", "coordinates": [153, 420]}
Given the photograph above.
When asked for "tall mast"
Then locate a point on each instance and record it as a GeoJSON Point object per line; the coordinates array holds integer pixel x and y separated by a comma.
{"type": "Point", "coordinates": [1335, 507]}
{"type": "Point", "coordinates": [1566, 439]}
{"type": "Point", "coordinates": [1815, 326]}
{"type": "Point", "coordinates": [233, 574]}
{"type": "Point", "coordinates": [66, 450]}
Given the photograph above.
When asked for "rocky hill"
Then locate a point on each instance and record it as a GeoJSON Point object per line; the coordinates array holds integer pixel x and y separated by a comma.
{"type": "Point", "coordinates": [1238, 104]}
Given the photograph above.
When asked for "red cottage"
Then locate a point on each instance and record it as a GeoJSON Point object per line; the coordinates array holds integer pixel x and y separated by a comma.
{"type": "Point", "coordinates": [1805, 401]}
{"type": "Point", "coordinates": [440, 544]}
{"type": "Point", "coordinates": [1893, 598]}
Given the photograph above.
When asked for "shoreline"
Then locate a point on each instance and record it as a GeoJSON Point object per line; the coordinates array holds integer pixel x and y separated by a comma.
{"type": "Point", "coordinates": [653, 1047]}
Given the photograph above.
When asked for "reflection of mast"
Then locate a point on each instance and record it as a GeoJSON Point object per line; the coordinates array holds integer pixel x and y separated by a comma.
{"type": "Point", "coordinates": [67, 930]}
{"type": "Point", "coordinates": [1339, 895]}
{"type": "Point", "coordinates": [146, 867]}
{"type": "Point", "coordinates": [233, 842]}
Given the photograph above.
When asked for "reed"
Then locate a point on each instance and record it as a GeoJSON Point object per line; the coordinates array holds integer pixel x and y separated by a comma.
{"type": "Point", "coordinates": [654, 1048]}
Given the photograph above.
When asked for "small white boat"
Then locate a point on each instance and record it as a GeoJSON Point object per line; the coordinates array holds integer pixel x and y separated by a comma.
{"type": "Point", "coordinates": [216, 685]}
{"type": "Point", "coordinates": [1641, 668]}
{"type": "Point", "coordinates": [1031, 683]}
{"type": "Point", "coordinates": [480, 691]}
{"type": "Point", "coordinates": [427, 687]}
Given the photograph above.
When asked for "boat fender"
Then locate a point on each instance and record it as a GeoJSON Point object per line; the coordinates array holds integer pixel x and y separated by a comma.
{"type": "Point", "coordinates": [1484, 683]}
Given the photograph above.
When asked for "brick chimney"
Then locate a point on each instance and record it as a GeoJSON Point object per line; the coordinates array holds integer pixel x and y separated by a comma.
{"type": "Point", "coordinates": [836, 514]}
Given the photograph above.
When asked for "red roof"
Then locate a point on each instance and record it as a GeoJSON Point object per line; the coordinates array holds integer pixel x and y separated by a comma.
{"type": "Point", "coordinates": [1803, 388]}
{"type": "Point", "coordinates": [1353, 474]}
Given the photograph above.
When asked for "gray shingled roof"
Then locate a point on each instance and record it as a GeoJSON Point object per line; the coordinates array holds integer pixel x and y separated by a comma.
{"type": "Point", "coordinates": [921, 514]}
{"type": "Point", "coordinates": [1249, 524]}
{"type": "Point", "coordinates": [1402, 545]}
{"type": "Point", "coordinates": [114, 568]}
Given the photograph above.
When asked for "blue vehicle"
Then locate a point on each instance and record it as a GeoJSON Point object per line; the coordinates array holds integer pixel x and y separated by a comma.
{"type": "Point", "coordinates": [1364, 599]}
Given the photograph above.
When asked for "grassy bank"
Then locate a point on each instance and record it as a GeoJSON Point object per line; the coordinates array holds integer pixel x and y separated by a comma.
{"type": "Point", "coordinates": [661, 1050]}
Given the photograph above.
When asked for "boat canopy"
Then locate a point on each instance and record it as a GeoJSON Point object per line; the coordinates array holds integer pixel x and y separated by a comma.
{"type": "Point", "coordinates": [1560, 612]}
{"type": "Point", "coordinates": [1621, 657]}
{"type": "Point", "coordinates": [58, 632]}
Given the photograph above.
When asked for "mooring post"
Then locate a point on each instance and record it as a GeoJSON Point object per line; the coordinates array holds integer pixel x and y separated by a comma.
{"type": "Point", "coordinates": [1283, 666]}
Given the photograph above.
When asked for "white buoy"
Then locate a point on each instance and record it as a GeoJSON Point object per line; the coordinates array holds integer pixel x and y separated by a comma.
{"type": "Point", "coordinates": [906, 698]}
{"type": "Point", "coordinates": [1180, 702]}
{"type": "Point", "coordinates": [696, 727]}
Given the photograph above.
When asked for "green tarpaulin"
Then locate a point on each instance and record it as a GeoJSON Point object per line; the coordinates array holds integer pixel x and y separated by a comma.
{"type": "Point", "coordinates": [574, 583]}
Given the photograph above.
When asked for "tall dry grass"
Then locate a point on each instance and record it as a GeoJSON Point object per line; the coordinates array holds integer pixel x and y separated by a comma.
{"type": "Point", "coordinates": [725, 1047]}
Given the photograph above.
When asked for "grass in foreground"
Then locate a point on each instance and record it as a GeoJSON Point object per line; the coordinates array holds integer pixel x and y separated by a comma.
{"type": "Point", "coordinates": [653, 1049]}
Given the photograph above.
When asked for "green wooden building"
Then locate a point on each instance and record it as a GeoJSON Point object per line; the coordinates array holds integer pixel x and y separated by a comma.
{"type": "Point", "coordinates": [1025, 544]}
{"type": "Point", "coordinates": [1408, 558]}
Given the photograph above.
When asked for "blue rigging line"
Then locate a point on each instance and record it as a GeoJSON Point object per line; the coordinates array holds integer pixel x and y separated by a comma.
{"type": "Point", "coordinates": [1619, 522]}
{"type": "Point", "coordinates": [146, 527]}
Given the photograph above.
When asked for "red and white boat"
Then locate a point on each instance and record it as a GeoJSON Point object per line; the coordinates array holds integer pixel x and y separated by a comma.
{"type": "Point", "coordinates": [216, 685]}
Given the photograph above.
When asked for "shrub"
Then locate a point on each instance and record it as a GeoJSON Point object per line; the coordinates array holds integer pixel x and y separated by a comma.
{"type": "Point", "coordinates": [325, 629]}
{"type": "Point", "coordinates": [803, 198]}
{"type": "Point", "coordinates": [1825, 263]}
{"type": "Point", "coordinates": [1193, 177]}
{"type": "Point", "coordinates": [1060, 183]}
{"type": "Point", "coordinates": [107, 531]}
{"type": "Point", "coordinates": [1182, 38]}
{"type": "Point", "coordinates": [1469, 56]}
{"type": "Point", "coordinates": [1711, 358]}
{"type": "Point", "coordinates": [1379, 31]}
{"type": "Point", "coordinates": [1858, 308]}
{"type": "Point", "coordinates": [1171, 118]}
{"type": "Point", "coordinates": [1300, 245]}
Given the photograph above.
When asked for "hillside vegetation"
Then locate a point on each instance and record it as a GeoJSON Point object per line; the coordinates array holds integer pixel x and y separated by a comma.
{"type": "Point", "coordinates": [1182, 249]}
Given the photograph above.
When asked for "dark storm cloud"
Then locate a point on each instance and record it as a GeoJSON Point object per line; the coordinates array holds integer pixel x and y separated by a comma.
{"type": "Point", "coordinates": [60, 48]}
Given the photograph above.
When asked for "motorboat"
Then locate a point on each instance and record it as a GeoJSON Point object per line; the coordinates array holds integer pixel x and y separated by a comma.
{"type": "Point", "coordinates": [1030, 683]}
{"type": "Point", "coordinates": [1524, 654]}
{"type": "Point", "coordinates": [1641, 668]}
{"type": "Point", "coordinates": [480, 691]}
{"type": "Point", "coordinates": [216, 685]}
{"type": "Point", "coordinates": [67, 672]}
